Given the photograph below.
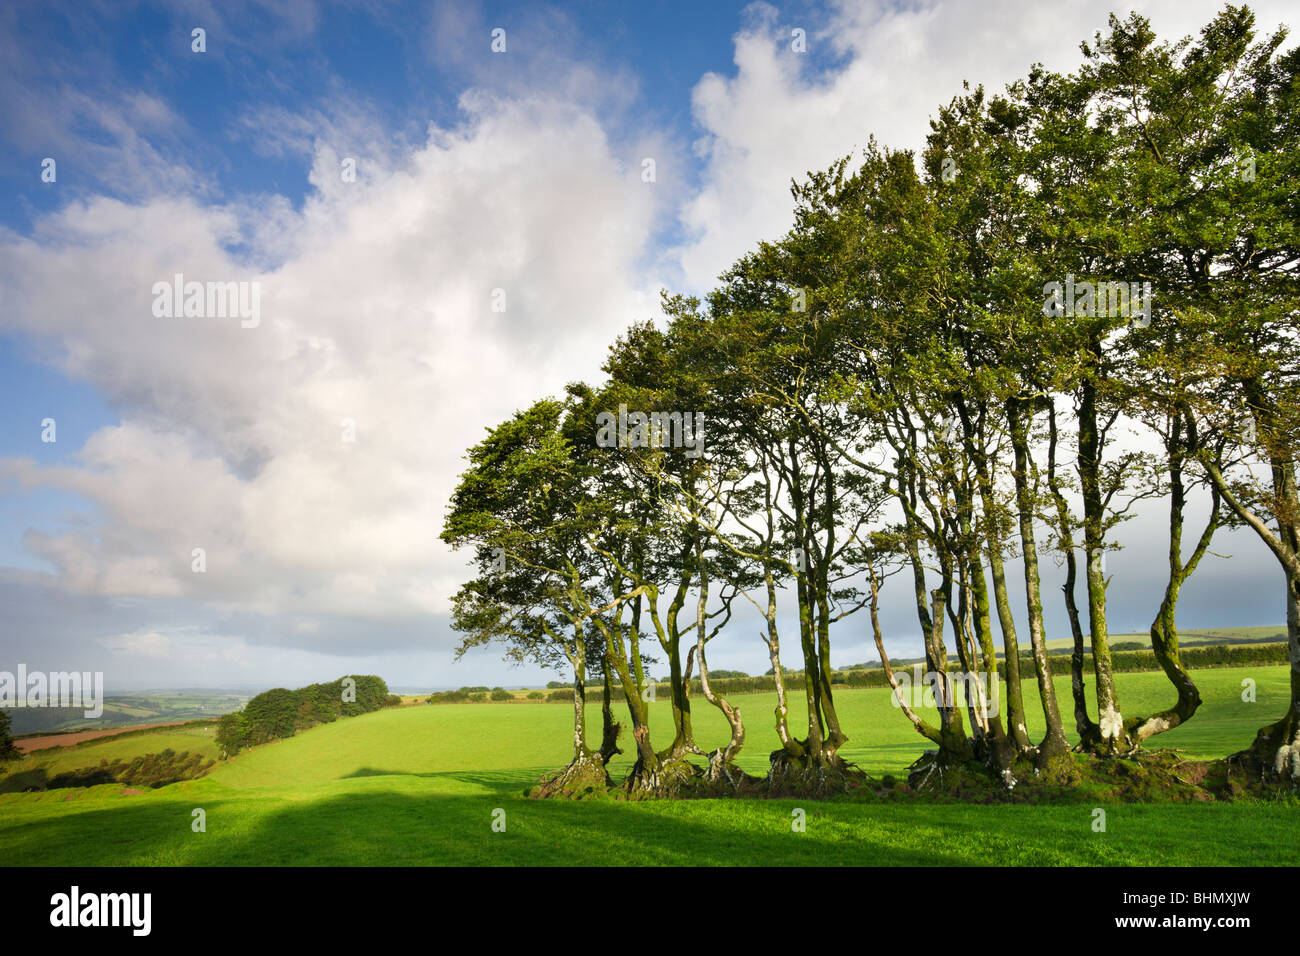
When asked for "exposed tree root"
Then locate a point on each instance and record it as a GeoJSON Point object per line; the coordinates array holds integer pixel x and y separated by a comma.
{"type": "Point", "coordinates": [724, 779]}
{"type": "Point", "coordinates": [582, 778]}
{"type": "Point", "coordinates": [1156, 776]}
{"type": "Point", "coordinates": [1274, 757]}
{"type": "Point", "coordinates": [808, 776]}
{"type": "Point", "coordinates": [668, 779]}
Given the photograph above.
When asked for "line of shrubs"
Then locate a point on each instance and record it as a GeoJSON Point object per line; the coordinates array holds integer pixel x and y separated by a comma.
{"type": "Point", "coordinates": [1212, 655]}
{"type": "Point", "coordinates": [149, 770]}
{"type": "Point", "coordinates": [279, 713]}
{"type": "Point", "coordinates": [473, 695]}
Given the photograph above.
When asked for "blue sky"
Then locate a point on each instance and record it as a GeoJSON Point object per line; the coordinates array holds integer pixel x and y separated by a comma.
{"type": "Point", "coordinates": [475, 171]}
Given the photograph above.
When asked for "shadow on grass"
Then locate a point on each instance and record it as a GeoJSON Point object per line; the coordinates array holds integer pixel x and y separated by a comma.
{"type": "Point", "coordinates": [412, 829]}
{"type": "Point", "coordinates": [513, 782]}
{"type": "Point", "coordinates": [403, 829]}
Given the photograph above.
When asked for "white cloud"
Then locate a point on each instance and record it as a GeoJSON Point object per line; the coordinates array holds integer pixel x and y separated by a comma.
{"type": "Point", "coordinates": [376, 307]}
{"type": "Point", "coordinates": [144, 644]}
{"type": "Point", "coordinates": [379, 312]}
{"type": "Point", "coordinates": [774, 120]}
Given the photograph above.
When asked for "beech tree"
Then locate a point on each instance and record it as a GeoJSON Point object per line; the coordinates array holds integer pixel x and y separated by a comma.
{"type": "Point", "coordinates": [1207, 129]}
{"type": "Point", "coordinates": [521, 507]}
{"type": "Point", "coordinates": [932, 374]}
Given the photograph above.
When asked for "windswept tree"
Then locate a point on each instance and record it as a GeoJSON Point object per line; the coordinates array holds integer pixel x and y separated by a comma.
{"type": "Point", "coordinates": [782, 319]}
{"type": "Point", "coordinates": [520, 506]}
{"type": "Point", "coordinates": [935, 372]}
{"type": "Point", "coordinates": [1206, 131]}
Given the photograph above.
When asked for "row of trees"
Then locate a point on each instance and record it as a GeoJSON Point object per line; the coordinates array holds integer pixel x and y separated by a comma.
{"type": "Point", "coordinates": [932, 373]}
{"type": "Point", "coordinates": [279, 713]}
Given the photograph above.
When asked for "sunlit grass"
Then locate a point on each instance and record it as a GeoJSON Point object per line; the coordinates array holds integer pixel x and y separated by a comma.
{"type": "Point", "coordinates": [418, 785]}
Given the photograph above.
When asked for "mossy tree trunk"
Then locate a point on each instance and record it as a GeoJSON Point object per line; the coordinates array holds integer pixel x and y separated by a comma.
{"type": "Point", "coordinates": [1015, 709]}
{"type": "Point", "coordinates": [1113, 738]}
{"type": "Point", "coordinates": [611, 728]}
{"type": "Point", "coordinates": [1277, 746]}
{"type": "Point", "coordinates": [1085, 727]}
{"type": "Point", "coordinates": [1164, 630]}
{"type": "Point", "coordinates": [1054, 743]}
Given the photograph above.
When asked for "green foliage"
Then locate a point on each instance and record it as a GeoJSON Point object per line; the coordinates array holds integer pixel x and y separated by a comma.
{"type": "Point", "coordinates": [147, 770]}
{"type": "Point", "coordinates": [448, 697]}
{"type": "Point", "coordinates": [279, 713]}
{"type": "Point", "coordinates": [893, 387]}
{"type": "Point", "coordinates": [8, 750]}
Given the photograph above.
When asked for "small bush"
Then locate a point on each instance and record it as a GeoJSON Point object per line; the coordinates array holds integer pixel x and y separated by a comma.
{"type": "Point", "coordinates": [448, 697]}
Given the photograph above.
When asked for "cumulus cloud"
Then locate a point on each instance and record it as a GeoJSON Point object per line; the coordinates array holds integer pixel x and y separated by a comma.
{"type": "Point", "coordinates": [148, 644]}
{"type": "Point", "coordinates": [379, 322]}
{"type": "Point", "coordinates": [376, 306]}
{"type": "Point", "coordinates": [778, 117]}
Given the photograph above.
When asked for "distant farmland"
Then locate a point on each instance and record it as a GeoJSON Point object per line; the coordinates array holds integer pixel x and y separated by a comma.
{"type": "Point", "coordinates": [128, 710]}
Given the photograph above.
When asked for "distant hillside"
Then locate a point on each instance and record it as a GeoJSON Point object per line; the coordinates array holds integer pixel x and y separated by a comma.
{"type": "Point", "coordinates": [130, 710]}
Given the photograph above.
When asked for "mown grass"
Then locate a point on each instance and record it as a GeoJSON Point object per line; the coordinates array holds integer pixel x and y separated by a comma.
{"type": "Point", "coordinates": [418, 785]}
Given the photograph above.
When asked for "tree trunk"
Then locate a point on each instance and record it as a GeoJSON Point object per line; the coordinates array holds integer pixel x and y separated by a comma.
{"type": "Point", "coordinates": [1089, 734]}
{"type": "Point", "coordinates": [925, 729]}
{"type": "Point", "coordinates": [1110, 720]}
{"type": "Point", "coordinates": [773, 641]}
{"type": "Point", "coordinates": [1164, 631]}
{"type": "Point", "coordinates": [1277, 746]}
{"type": "Point", "coordinates": [611, 728]}
{"type": "Point", "coordinates": [1006, 621]}
{"type": "Point", "coordinates": [1054, 743]}
{"type": "Point", "coordinates": [579, 701]}
{"type": "Point", "coordinates": [954, 745]}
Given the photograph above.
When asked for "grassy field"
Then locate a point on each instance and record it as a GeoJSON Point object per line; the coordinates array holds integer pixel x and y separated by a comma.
{"type": "Point", "coordinates": [419, 784]}
{"type": "Point", "coordinates": [1189, 638]}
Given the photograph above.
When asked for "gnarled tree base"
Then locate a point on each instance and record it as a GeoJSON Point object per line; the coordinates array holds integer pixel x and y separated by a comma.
{"type": "Point", "coordinates": [581, 779]}
{"type": "Point", "coordinates": [1145, 776]}
{"type": "Point", "coordinates": [808, 776]}
{"type": "Point", "coordinates": [1156, 776]}
{"type": "Point", "coordinates": [724, 779]}
{"type": "Point", "coordinates": [1274, 757]}
{"type": "Point", "coordinates": [670, 778]}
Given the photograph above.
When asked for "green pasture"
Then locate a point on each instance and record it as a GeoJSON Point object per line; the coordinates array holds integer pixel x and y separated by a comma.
{"type": "Point", "coordinates": [419, 785]}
